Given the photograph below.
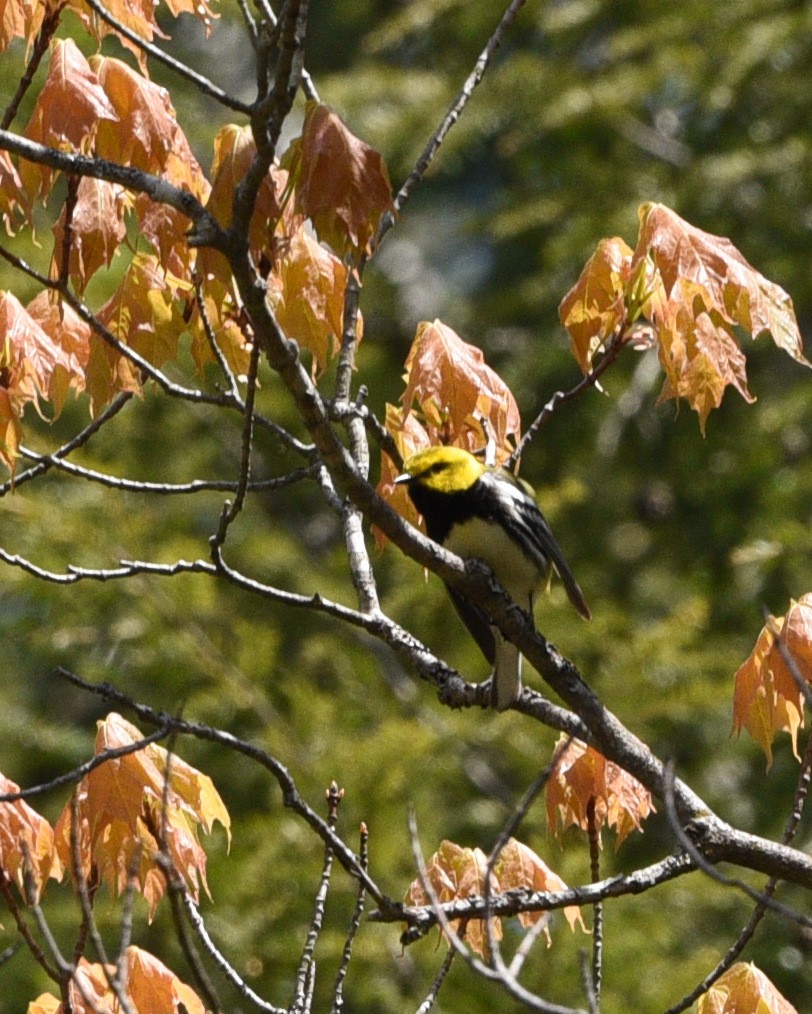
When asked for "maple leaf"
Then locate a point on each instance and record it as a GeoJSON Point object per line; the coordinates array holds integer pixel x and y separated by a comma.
{"type": "Point", "coordinates": [520, 868]}
{"type": "Point", "coordinates": [341, 183]}
{"type": "Point", "coordinates": [224, 318]}
{"type": "Point", "coordinates": [681, 252]}
{"type": "Point", "coordinates": [68, 112]}
{"type": "Point", "coordinates": [10, 429]}
{"type": "Point", "coordinates": [145, 132]}
{"type": "Point", "coordinates": [15, 204]}
{"type": "Point", "coordinates": [19, 19]}
{"type": "Point", "coordinates": [122, 817]}
{"type": "Point", "coordinates": [306, 289]}
{"type": "Point", "coordinates": [151, 988]}
{"type": "Point", "coordinates": [766, 698]}
{"type": "Point", "coordinates": [743, 989]}
{"type": "Point", "coordinates": [144, 312]}
{"type": "Point", "coordinates": [453, 387]}
{"type": "Point", "coordinates": [68, 331]}
{"type": "Point", "coordinates": [27, 855]}
{"type": "Point", "coordinates": [97, 229]}
{"type": "Point", "coordinates": [34, 365]}
{"type": "Point", "coordinates": [595, 307]}
{"type": "Point", "coordinates": [410, 435]}
{"type": "Point", "coordinates": [456, 873]}
{"type": "Point", "coordinates": [581, 775]}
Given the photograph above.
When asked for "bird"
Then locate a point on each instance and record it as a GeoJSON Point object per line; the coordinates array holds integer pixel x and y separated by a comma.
{"type": "Point", "coordinates": [487, 513]}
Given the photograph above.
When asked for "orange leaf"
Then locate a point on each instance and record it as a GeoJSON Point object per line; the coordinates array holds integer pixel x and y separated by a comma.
{"type": "Point", "coordinates": [520, 868]}
{"type": "Point", "coordinates": [145, 132]}
{"type": "Point", "coordinates": [68, 113]}
{"type": "Point", "coordinates": [26, 844]}
{"type": "Point", "coordinates": [10, 429]}
{"type": "Point", "coordinates": [681, 252]}
{"type": "Point", "coordinates": [223, 316]}
{"type": "Point", "coordinates": [151, 989]}
{"type": "Point", "coordinates": [34, 365]}
{"type": "Point", "coordinates": [456, 873]}
{"type": "Point", "coordinates": [123, 819]}
{"type": "Point", "coordinates": [409, 435]}
{"type": "Point", "coordinates": [341, 183]}
{"type": "Point", "coordinates": [453, 387]}
{"type": "Point", "coordinates": [144, 312]}
{"type": "Point", "coordinates": [743, 989]}
{"type": "Point", "coordinates": [582, 774]}
{"type": "Point", "coordinates": [15, 205]}
{"type": "Point", "coordinates": [766, 698]}
{"type": "Point", "coordinates": [97, 229]}
{"type": "Point", "coordinates": [698, 352]}
{"type": "Point", "coordinates": [307, 289]}
{"type": "Point", "coordinates": [19, 19]}
{"type": "Point", "coordinates": [595, 307]}
{"type": "Point", "coordinates": [67, 330]}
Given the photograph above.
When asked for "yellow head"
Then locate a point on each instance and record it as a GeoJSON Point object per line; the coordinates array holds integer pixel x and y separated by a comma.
{"type": "Point", "coordinates": [442, 469]}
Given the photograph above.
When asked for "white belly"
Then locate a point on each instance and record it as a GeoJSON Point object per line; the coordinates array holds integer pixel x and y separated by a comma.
{"type": "Point", "coordinates": [490, 543]}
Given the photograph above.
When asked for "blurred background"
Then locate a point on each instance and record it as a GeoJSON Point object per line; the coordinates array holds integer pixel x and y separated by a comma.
{"type": "Point", "coordinates": [680, 542]}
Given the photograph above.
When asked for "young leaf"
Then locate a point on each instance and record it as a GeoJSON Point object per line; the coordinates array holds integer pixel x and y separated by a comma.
{"type": "Point", "coordinates": [456, 873]}
{"type": "Point", "coordinates": [19, 19]}
{"type": "Point", "coordinates": [68, 113]}
{"type": "Point", "coordinates": [743, 988]}
{"type": "Point", "coordinates": [520, 868]}
{"type": "Point", "coordinates": [97, 229]}
{"type": "Point", "coordinates": [27, 855]}
{"type": "Point", "coordinates": [123, 819]}
{"type": "Point", "coordinates": [306, 289]}
{"type": "Point", "coordinates": [582, 774]}
{"type": "Point", "coordinates": [595, 307]}
{"type": "Point", "coordinates": [144, 312]}
{"type": "Point", "coordinates": [409, 435]}
{"type": "Point", "coordinates": [341, 183]}
{"type": "Point", "coordinates": [15, 204]}
{"type": "Point", "coordinates": [150, 986]}
{"type": "Point", "coordinates": [766, 698]}
{"type": "Point", "coordinates": [145, 132]}
{"type": "Point", "coordinates": [449, 382]}
{"type": "Point", "coordinates": [33, 364]}
{"type": "Point", "coordinates": [68, 331]}
{"type": "Point", "coordinates": [734, 288]}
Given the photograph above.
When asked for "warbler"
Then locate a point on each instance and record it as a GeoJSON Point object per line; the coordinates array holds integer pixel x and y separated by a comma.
{"type": "Point", "coordinates": [478, 511]}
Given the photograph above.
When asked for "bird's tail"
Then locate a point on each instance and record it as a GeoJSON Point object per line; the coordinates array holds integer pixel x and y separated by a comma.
{"type": "Point", "coordinates": [506, 682]}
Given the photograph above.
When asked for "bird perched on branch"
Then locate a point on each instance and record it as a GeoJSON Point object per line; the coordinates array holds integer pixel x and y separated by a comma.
{"type": "Point", "coordinates": [486, 513]}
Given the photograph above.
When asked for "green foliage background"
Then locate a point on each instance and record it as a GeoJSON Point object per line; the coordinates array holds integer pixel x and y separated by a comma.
{"type": "Point", "coordinates": [679, 542]}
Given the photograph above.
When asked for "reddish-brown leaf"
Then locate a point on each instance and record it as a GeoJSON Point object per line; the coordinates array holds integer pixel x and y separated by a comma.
{"type": "Point", "coordinates": [122, 818]}
{"type": "Point", "coordinates": [766, 698]}
{"type": "Point", "coordinates": [698, 352]}
{"type": "Point", "coordinates": [69, 332]}
{"type": "Point", "coordinates": [743, 989]}
{"type": "Point", "coordinates": [68, 113]}
{"type": "Point", "coordinates": [97, 229]}
{"type": "Point", "coordinates": [456, 873]}
{"type": "Point", "coordinates": [145, 133]}
{"type": "Point", "coordinates": [519, 868]}
{"type": "Point", "coordinates": [34, 366]}
{"type": "Point", "coordinates": [27, 855]}
{"type": "Point", "coordinates": [15, 204]}
{"type": "Point", "coordinates": [341, 183]}
{"type": "Point", "coordinates": [19, 19]}
{"type": "Point", "coordinates": [681, 253]}
{"type": "Point", "coordinates": [582, 774]}
{"type": "Point", "coordinates": [409, 435]}
{"type": "Point", "coordinates": [453, 388]}
{"type": "Point", "coordinates": [151, 989]}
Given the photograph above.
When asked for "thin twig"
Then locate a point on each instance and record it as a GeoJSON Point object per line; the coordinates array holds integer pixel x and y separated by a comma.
{"type": "Point", "coordinates": [355, 923]}
{"type": "Point", "coordinates": [202, 83]}
{"type": "Point", "coordinates": [453, 113]}
{"type": "Point", "coordinates": [594, 836]}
